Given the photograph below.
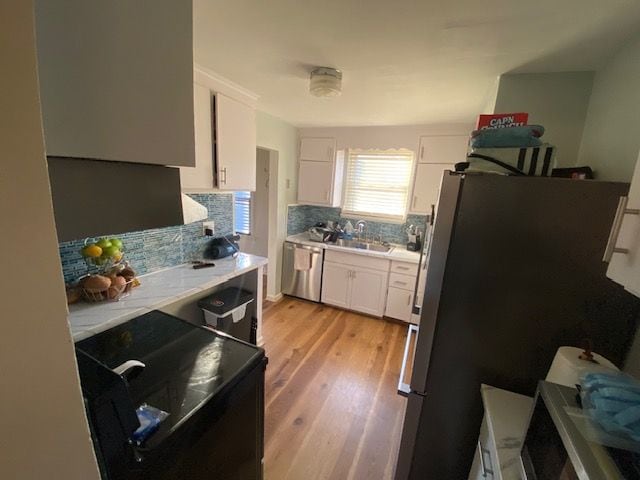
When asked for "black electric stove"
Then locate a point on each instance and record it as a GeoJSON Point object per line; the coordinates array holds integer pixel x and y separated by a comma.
{"type": "Point", "coordinates": [211, 385]}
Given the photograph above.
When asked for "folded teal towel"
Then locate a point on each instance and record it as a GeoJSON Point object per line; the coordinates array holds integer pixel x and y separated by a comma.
{"type": "Point", "coordinates": [526, 136]}
{"type": "Point", "coordinates": [613, 401]}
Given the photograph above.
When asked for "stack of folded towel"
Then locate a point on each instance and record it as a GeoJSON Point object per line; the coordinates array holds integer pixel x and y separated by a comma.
{"type": "Point", "coordinates": [515, 137]}
{"type": "Point", "coordinates": [613, 401]}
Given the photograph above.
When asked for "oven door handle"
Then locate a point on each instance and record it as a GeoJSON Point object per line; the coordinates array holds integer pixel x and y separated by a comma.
{"type": "Point", "coordinates": [405, 388]}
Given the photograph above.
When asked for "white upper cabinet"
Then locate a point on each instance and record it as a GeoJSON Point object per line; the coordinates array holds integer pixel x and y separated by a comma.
{"type": "Point", "coordinates": [116, 80]}
{"type": "Point", "coordinates": [426, 186]}
{"type": "Point", "coordinates": [235, 144]}
{"type": "Point", "coordinates": [623, 248]}
{"type": "Point", "coordinates": [317, 149]}
{"type": "Point", "coordinates": [320, 172]}
{"type": "Point", "coordinates": [315, 180]}
{"type": "Point", "coordinates": [225, 137]}
{"type": "Point", "coordinates": [443, 149]}
{"type": "Point", "coordinates": [201, 177]}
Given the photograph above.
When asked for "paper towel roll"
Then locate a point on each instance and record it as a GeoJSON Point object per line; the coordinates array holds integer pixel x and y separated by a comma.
{"type": "Point", "coordinates": [567, 366]}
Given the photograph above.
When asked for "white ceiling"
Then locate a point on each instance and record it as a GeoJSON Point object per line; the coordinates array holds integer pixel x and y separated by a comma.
{"type": "Point", "coordinates": [403, 61]}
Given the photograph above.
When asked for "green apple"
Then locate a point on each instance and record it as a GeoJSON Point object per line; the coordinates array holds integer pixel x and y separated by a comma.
{"type": "Point", "coordinates": [116, 242]}
{"type": "Point", "coordinates": [111, 251]}
{"type": "Point", "coordinates": [103, 243]}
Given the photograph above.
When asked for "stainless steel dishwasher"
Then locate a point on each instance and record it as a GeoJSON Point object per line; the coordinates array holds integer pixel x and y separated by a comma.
{"type": "Point", "coordinates": [302, 276]}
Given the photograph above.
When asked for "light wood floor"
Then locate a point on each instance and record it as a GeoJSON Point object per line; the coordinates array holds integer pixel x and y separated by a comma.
{"type": "Point", "coordinates": [332, 411]}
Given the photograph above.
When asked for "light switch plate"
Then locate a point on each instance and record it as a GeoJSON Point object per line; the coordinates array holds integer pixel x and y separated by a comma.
{"type": "Point", "coordinates": [209, 225]}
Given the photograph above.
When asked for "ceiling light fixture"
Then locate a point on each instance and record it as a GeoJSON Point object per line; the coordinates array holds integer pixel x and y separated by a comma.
{"type": "Point", "coordinates": [325, 82]}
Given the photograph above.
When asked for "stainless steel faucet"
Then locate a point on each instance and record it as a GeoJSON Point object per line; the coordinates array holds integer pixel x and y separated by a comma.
{"type": "Point", "coordinates": [361, 226]}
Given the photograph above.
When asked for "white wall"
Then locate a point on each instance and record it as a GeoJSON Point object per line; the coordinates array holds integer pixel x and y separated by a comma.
{"type": "Point", "coordinates": [42, 420]}
{"type": "Point", "coordinates": [558, 101]}
{"type": "Point", "coordinates": [611, 137]}
{"type": "Point", "coordinates": [385, 137]}
{"type": "Point", "coordinates": [281, 137]}
{"type": "Point", "coordinates": [257, 243]}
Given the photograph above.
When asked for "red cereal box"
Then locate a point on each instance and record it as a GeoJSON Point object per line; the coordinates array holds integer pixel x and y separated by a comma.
{"type": "Point", "coordinates": [502, 120]}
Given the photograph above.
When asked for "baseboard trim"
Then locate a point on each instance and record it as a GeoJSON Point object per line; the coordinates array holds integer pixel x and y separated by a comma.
{"type": "Point", "coordinates": [274, 298]}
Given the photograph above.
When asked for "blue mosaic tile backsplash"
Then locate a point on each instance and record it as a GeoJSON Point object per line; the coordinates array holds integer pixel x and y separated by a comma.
{"type": "Point", "coordinates": [302, 217]}
{"type": "Point", "coordinates": [150, 250]}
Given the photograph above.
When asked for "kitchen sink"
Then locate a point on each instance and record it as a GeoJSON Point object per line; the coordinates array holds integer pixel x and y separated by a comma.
{"type": "Point", "coordinates": [374, 247]}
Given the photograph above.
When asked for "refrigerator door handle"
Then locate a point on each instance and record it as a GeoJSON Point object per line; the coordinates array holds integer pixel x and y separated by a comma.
{"type": "Point", "coordinates": [404, 388]}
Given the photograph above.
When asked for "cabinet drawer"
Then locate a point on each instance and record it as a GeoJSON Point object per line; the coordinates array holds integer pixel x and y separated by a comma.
{"type": "Point", "coordinates": [404, 268]}
{"type": "Point", "coordinates": [357, 260]}
{"type": "Point", "coordinates": [404, 282]}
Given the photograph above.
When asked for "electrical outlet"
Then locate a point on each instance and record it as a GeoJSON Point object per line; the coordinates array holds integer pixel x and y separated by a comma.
{"type": "Point", "coordinates": [208, 228]}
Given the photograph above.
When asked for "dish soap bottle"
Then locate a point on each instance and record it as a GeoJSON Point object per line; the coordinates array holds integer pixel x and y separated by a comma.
{"type": "Point", "coordinates": [348, 230]}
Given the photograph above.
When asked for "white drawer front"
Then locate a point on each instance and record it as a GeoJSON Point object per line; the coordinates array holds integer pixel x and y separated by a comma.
{"type": "Point", "coordinates": [399, 304]}
{"type": "Point", "coordinates": [405, 282]}
{"type": "Point", "coordinates": [357, 260]}
{"type": "Point", "coordinates": [404, 268]}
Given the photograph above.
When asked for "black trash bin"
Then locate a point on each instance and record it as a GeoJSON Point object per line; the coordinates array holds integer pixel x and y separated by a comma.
{"type": "Point", "coordinates": [227, 311]}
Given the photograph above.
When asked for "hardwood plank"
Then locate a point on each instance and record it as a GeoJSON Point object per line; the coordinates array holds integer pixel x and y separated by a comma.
{"type": "Point", "coordinates": [332, 411]}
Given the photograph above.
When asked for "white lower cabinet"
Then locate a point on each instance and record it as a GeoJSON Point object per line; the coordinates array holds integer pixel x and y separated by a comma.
{"type": "Point", "coordinates": [402, 281]}
{"type": "Point", "coordinates": [368, 291]}
{"type": "Point", "coordinates": [399, 304]}
{"type": "Point", "coordinates": [336, 284]}
{"type": "Point", "coordinates": [355, 282]}
{"type": "Point", "coordinates": [483, 461]}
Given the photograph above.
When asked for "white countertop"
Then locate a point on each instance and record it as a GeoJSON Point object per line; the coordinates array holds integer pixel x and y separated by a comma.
{"type": "Point", "coordinates": [398, 252]}
{"type": "Point", "coordinates": [507, 415]}
{"type": "Point", "coordinates": [157, 290]}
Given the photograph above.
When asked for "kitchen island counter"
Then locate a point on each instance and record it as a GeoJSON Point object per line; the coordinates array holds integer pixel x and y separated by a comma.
{"type": "Point", "coordinates": [164, 288]}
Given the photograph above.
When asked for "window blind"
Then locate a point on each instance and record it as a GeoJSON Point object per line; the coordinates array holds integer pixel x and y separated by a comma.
{"type": "Point", "coordinates": [242, 211]}
{"type": "Point", "coordinates": [377, 183]}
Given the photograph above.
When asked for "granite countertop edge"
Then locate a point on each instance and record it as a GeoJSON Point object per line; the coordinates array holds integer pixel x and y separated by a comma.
{"type": "Point", "coordinates": [157, 290]}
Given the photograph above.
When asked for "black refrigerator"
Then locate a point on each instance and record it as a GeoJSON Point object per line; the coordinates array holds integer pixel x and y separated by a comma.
{"type": "Point", "coordinates": [514, 271]}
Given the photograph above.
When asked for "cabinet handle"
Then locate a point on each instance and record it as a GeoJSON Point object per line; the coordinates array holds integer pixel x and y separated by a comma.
{"type": "Point", "coordinates": [400, 267]}
{"type": "Point", "coordinates": [353, 273]}
{"type": "Point", "coordinates": [223, 171]}
{"type": "Point", "coordinates": [408, 299]}
{"type": "Point", "coordinates": [422, 152]}
{"type": "Point", "coordinates": [398, 282]}
{"type": "Point", "coordinates": [326, 195]}
{"type": "Point", "coordinates": [415, 199]}
{"type": "Point", "coordinates": [615, 229]}
{"type": "Point", "coordinates": [485, 470]}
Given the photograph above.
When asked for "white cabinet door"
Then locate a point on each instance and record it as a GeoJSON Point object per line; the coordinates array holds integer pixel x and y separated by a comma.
{"type": "Point", "coordinates": [484, 464]}
{"type": "Point", "coordinates": [368, 291]}
{"type": "Point", "coordinates": [235, 144]}
{"type": "Point", "coordinates": [315, 183]}
{"type": "Point", "coordinates": [201, 177]}
{"type": "Point", "coordinates": [624, 266]}
{"type": "Point", "coordinates": [443, 149]}
{"type": "Point", "coordinates": [426, 186]}
{"type": "Point", "coordinates": [336, 284]}
{"type": "Point", "coordinates": [317, 149]}
{"type": "Point", "coordinates": [116, 80]}
{"type": "Point", "coordinates": [399, 304]}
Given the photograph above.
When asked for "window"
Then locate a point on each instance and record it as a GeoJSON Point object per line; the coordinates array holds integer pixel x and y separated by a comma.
{"type": "Point", "coordinates": [242, 212]}
{"type": "Point", "coordinates": [377, 184]}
